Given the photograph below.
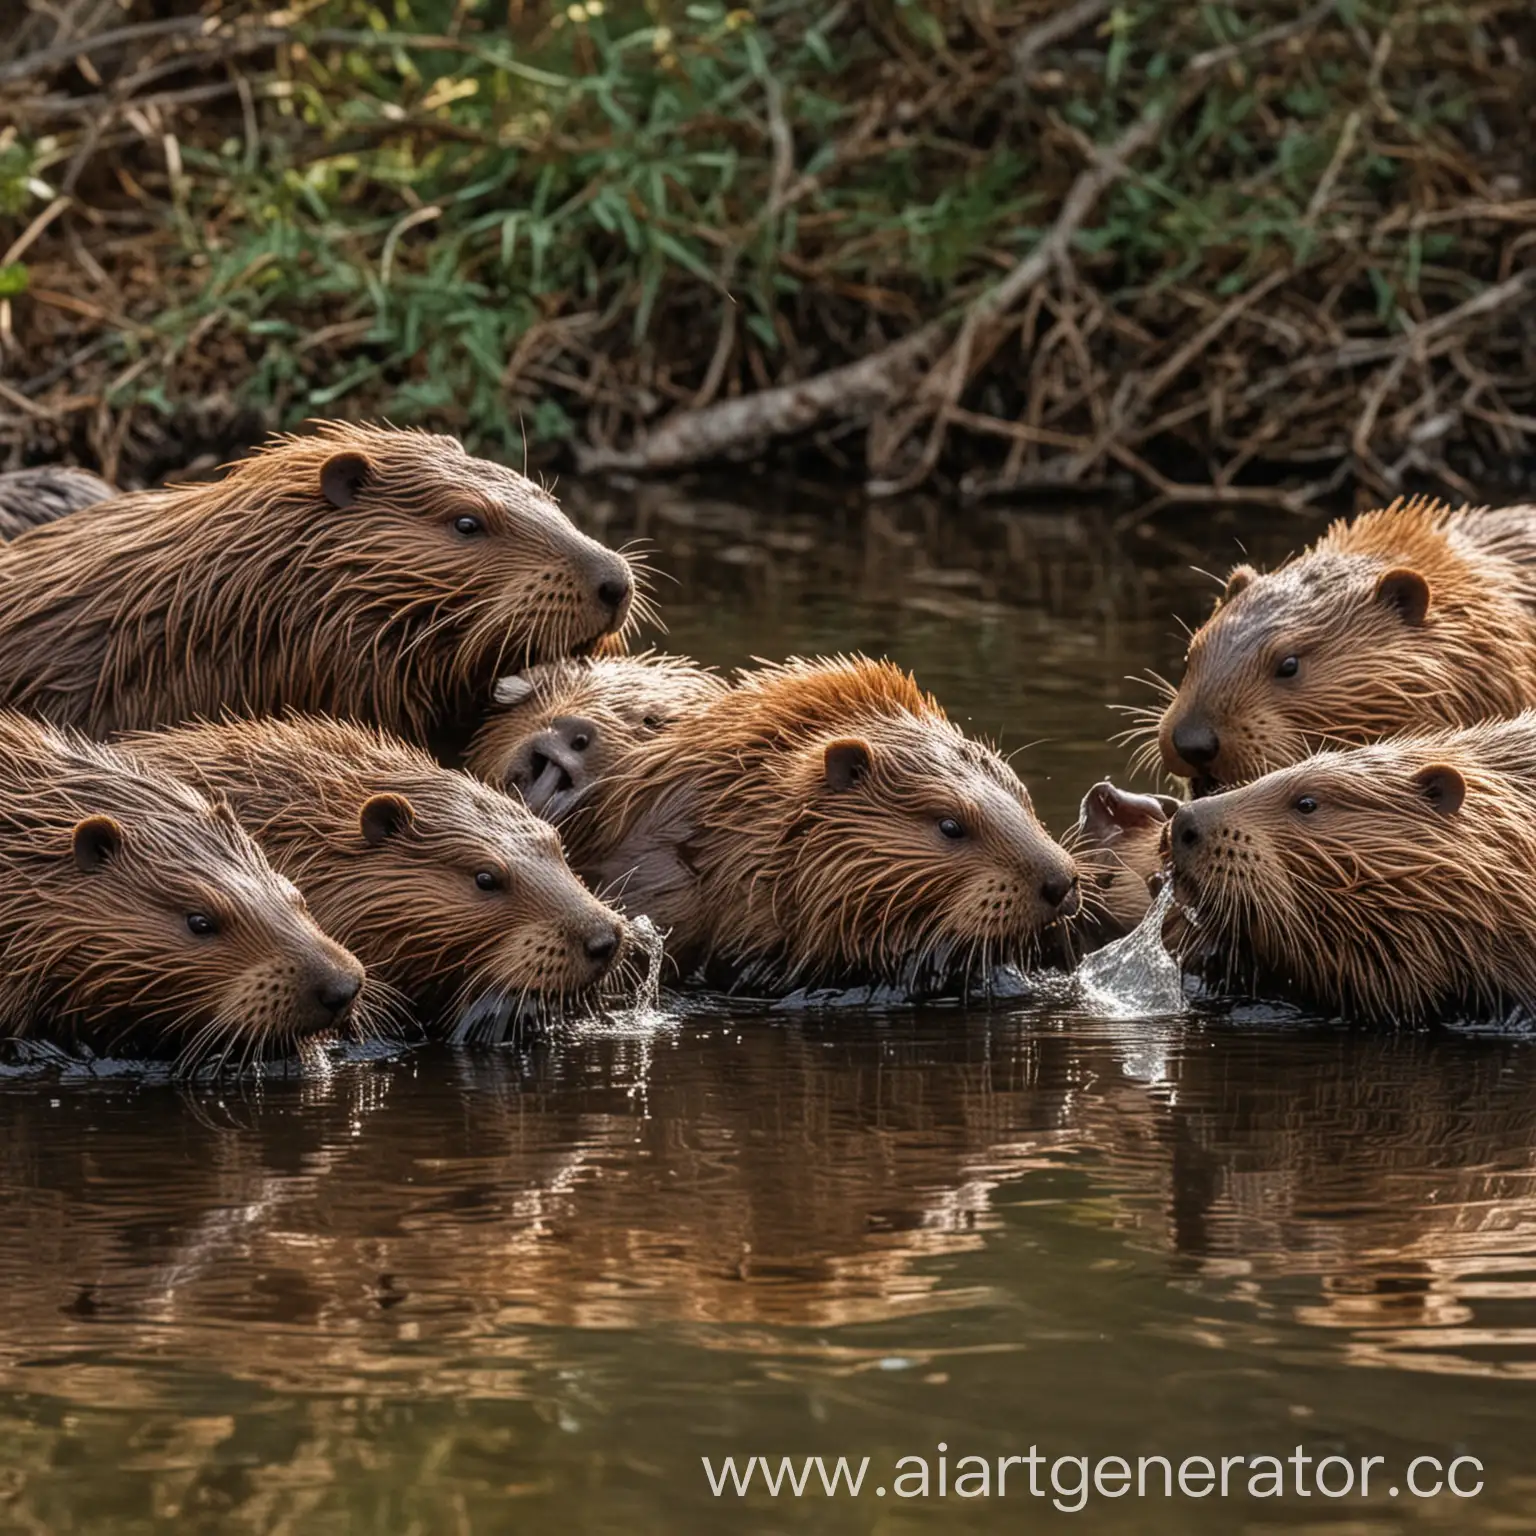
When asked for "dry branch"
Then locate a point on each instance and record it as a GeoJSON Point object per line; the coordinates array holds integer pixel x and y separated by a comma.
{"type": "Point", "coordinates": [739, 427]}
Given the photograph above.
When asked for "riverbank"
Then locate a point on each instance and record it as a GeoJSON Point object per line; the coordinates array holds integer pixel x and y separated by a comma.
{"type": "Point", "coordinates": [1252, 252]}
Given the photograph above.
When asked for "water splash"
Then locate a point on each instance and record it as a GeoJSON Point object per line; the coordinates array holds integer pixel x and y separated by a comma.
{"type": "Point", "coordinates": [642, 1013]}
{"type": "Point", "coordinates": [1136, 975]}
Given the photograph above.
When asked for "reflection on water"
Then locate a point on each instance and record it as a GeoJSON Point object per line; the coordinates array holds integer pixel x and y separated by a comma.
{"type": "Point", "coordinates": [477, 1291]}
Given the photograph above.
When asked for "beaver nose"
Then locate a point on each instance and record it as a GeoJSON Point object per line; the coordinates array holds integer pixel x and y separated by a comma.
{"type": "Point", "coordinates": [602, 944]}
{"type": "Point", "coordinates": [613, 592]}
{"type": "Point", "coordinates": [1197, 744]}
{"type": "Point", "coordinates": [1058, 891]}
{"type": "Point", "coordinates": [1185, 831]}
{"type": "Point", "coordinates": [337, 990]}
{"type": "Point", "coordinates": [548, 766]}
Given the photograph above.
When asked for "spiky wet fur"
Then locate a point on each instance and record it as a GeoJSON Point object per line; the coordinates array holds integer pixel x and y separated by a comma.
{"type": "Point", "coordinates": [1365, 671]}
{"type": "Point", "coordinates": [105, 958]}
{"type": "Point", "coordinates": [407, 905]}
{"type": "Point", "coordinates": [255, 594]}
{"type": "Point", "coordinates": [1377, 905]}
{"type": "Point", "coordinates": [725, 831]}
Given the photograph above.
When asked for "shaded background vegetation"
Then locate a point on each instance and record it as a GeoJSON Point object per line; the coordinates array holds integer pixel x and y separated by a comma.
{"type": "Point", "coordinates": [1313, 266]}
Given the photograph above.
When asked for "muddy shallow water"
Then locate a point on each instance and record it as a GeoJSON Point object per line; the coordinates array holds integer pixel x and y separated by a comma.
{"type": "Point", "coordinates": [532, 1287]}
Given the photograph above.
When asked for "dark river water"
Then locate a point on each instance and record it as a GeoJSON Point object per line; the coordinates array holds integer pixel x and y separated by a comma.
{"type": "Point", "coordinates": [534, 1288]}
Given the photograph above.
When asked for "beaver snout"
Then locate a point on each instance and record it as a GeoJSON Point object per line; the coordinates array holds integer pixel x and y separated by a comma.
{"type": "Point", "coordinates": [550, 770]}
{"type": "Point", "coordinates": [602, 944]}
{"type": "Point", "coordinates": [1063, 892]}
{"type": "Point", "coordinates": [612, 584]}
{"type": "Point", "coordinates": [1186, 834]}
{"type": "Point", "coordinates": [1186, 831]}
{"type": "Point", "coordinates": [331, 988]}
{"type": "Point", "coordinates": [1197, 745]}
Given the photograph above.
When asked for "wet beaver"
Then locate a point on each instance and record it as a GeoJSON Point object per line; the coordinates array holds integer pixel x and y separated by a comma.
{"type": "Point", "coordinates": [29, 497]}
{"type": "Point", "coordinates": [1118, 848]}
{"type": "Point", "coordinates": [561, 727]}
{"type": "Point", "coordinates": [823, 822]}
{"type": "Point", "coordinates": [136, 916]}
{"type": "Point", "coordinates": [1407, 618]}
{"type": "Point", "coordinates": [356, 571]}
{"type": "Point", "coordinates": [450, 892]}
{"type": "Point", "coordinates": [1390, 881]}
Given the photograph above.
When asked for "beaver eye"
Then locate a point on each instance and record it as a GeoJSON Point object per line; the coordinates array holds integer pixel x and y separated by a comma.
{"type": "Point", "coordinates": [201, 924]}
{"type": "Point", "coordinates": [470, 527]}
{"type": "Point", "coordinates": [652, 722]}
{"type": "Point", "coordinates": [1289, 667]}
{"type": "Point", "coordinates": [951, 828]}
{"type": "Point", "coordinates": [1306, 805]}
{"type": "Point", "coordinates": [488, 880]}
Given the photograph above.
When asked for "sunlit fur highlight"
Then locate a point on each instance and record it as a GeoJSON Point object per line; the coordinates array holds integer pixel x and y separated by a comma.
{"type": "Point", "coordinates": [1377, 905]}
{"type": "Point", "coordinates": [407, 905]}
{"type": "Point", "coordinates": [104, 957]}
{"type": "Point", "coordinates": [623, 702]}
{"type": "Point", "coordinates": [31, 497]}
{"type": "Point", "coordinates": [1365, 672]}
{"type": "Point", "coordinates": [726, 831]}
{"type": "Point", "coordinates": [255, 594]}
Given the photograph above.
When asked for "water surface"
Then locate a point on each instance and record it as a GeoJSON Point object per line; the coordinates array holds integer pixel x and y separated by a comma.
{"type": "Point", "coordinates": [529, 1288]}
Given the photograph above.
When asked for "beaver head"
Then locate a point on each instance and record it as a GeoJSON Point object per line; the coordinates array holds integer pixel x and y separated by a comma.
{"type": "Point", "coordinates": [449, 891]}
{"type": "Point", "coordinates": [561, 727]}
{"type": "Point", "coordinates": [824, 821]}
{"type": "Point", "coordinates": [1367, 881]}
{"type": "Point", "coordinates": [364, 572]}
{"type": "Point", "coordinates": [134, 913]}
{"type": "Point", "coordinates": [1118, 848]}
{"type": "Point", "coordinates": [1395, 621]}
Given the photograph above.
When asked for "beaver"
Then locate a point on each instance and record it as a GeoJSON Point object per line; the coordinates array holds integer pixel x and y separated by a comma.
{"type": "Point", "coordinates": [560, 727]}
{"type": "Point", "coordinates": [357, 571]}
{"type": "Point", "coordinates": [137, 916]}
{"type": "Point", "coordinates": [1389, 882]}
{"type": "Point", "coordinates": [29, 497]}
{"type": "Point", "coordinates": [1118, 848]}
{"type": "Point", "coordinates": [1409, 617]}
{"type": "Point", "coordinates": [450, 892]}
{"type": "Point", "coordinates": [823, 822]}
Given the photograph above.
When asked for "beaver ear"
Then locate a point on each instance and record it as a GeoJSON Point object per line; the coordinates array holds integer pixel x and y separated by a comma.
{"type": "Point", "coordinates": [1240, 577]}
{"type": "Point", "coordinates": [1097, 812]}
{"type": "Point", "coordinates": [97, 841]}
{"type": "Point", "coordinates": [1442, 786]}
{"type": "Point", "coordinates": [511, 691]}
{"type": "Point", "coordinates": [1406, 591]}
{"type": "Point", "coordinates": [342, 476]}
{"type": "Point", "coordinates": [846, 762]}
{"type": "Point", "coordinates": [1104, 807]}
{"type": "Point", "coordinates": [384, 817]}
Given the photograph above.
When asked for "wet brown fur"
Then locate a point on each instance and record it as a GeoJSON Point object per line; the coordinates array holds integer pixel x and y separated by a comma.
{"type": "Point", "coordinates": [100, 953]}
{"type": "Point", "coordinates": [31, 497]}
{"type": "Point", "coordinates": [256, 593]}
{"type": "Point", "coordinates": [406, 898]}
{"type": "Point", "coordinates": [751, 831]}
{"type": "Point", "coordinates": [1370, 663]}
{"type": "Point", "coordinates": [576, 719]}
{"type": "Point", "coordinates": [1406, 894]}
